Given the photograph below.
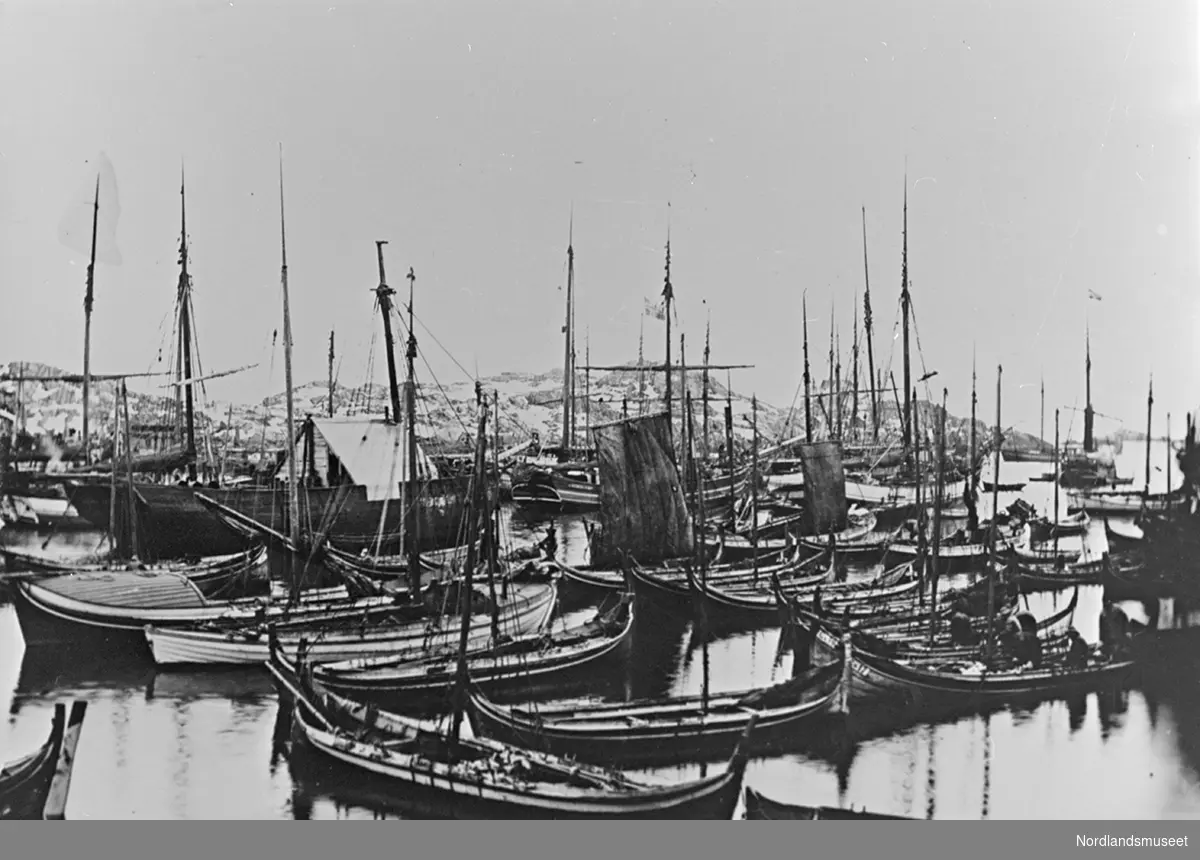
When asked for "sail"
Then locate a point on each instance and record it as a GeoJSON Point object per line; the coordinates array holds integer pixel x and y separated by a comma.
{"type": "Point", "coordinates": [642, 505]}
{"type": "Point", "coordinates": [824, 486]}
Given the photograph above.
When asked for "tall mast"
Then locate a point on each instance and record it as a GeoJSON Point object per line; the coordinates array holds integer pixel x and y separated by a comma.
{"type": "Point", "coordinates": [293, 489]}
{"type": "Point", "coordinates": [808, 437]}
{"type": "Point", "coordinates": [1089, 443]}
{"type": "Point", "coordinates": [829, 412]}
{"type": "Point", "coordinates": [384, 294]}
{"type": "Point", "coordinates": [867, 327]}
{"type": "Point", "coordinates": [587, 388]}
{"type": "Point", "coordinates": [1149, 415]}
{"type": "Point", "coordinates": [410, 392]}
{"type": "Point", "coordinates": [972, 473]}
{"type": "Point", "coordinates": [641, 370]}
{"type": "Point", "coordinates": [1042, 425]}
{"type": "Point", "coordinates": [478, 496]}
{"type": "Point", "coordinates": [1056, 477]}
{"type": "Point", "coordinates": [935, 568]}
{"type": "Point", "coordinates": [685, 403]}
{"type": "Point", "coordinates": [704, 390]}
{"type": "Point", "coordinates": [854, 353]}
{"type": "Point", "coordinates": [568, 344]}
{"type": "Point", "coordinates": [184, 300]}
{"type": "Point", "coordinates": [837, 384]}
{"type": "Point", "coordinates": [754, 482]}
{"type": "Point", "coordinates": [331, 374]}
{"type": "Point", "coordinates": [668, 295]}
{"type": "Point", "coordinates": [905, 300]}
{"type": "Point", "coordinates": [88, 298]}
{"type": "Point", "coordinates": [991, 588]}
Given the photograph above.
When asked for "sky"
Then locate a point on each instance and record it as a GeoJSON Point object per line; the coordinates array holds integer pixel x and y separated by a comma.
{"type": "Point", "coordinates": [1050, 149]}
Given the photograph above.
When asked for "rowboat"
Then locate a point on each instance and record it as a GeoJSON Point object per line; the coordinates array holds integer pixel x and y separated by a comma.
{"type": "Point", "coordinates": [206, 573]}
{"type": "Point", "coordinates": [35, 786]}
{"type": "Point", "coordinates": [759, 807]}
{"type": "Point", "coordinates": [660, 729]}
{"type": "Point", "coordinates": [540, 654]}
{"type": "Point", "coordinates": [486, 777]}
{"type": "Point", "coordinates": [383, 627]}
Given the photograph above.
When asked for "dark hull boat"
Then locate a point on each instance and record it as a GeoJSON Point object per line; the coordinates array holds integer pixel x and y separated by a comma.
{"type": "Point", "coordinates": [661, 729]}
{"type": "Point", "coordinates": [486, 778]}
{"type": "Point", "coordinates": [178, 525]}
{"type": "Point", "coordinates": [762, 808]}
{"type": "Point", "coordinates": [35, 786]}
{"type": "Point", "coordinates": [521, 661]}
{"type": "Point", "coordinates": [565, 489]}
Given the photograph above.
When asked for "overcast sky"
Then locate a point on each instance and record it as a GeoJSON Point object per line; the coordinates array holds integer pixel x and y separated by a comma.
{"type": "Point", "coordinates": [1051, 150]}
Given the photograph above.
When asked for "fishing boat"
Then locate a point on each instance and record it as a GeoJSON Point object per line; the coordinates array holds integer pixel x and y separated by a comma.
{"type": "Point", "coordinates": [485, 777]}
{"type": "Point", "coordinates": [1043, 529]}
{"type": "Point", "coordinates": [660, 729]}
{"type": "Point", "coordinates": [568, 487]}
{"type": "Point", "coordinates": [971, 680]}
{"type": "Point", "coordinates": [483, 774]}
{"type": "Point", "coordinates": [760, 600]}
{"type": "Point", "coordinates": [960, 550]}
{"type": "Point", "coordinates": [40, 506]}
{"type": "Point", "coordinates": [759, 807]}
{"type": "Point", "coordinates": [538, 656]}
{"type": "Point", "coordinates": [207, 574]}
{"type": "Point", "coordinates": [36, 786]}
{"type": "Point", "coordinates": [385, 627]}
{"type": "Point", "coordinates": [1129, 502]}
{"type": "Point", "coordinates": [1123, 534]}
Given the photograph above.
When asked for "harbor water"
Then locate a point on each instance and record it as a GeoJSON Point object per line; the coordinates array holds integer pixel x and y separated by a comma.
{"type": "Point", "coordinates": [211, 744]}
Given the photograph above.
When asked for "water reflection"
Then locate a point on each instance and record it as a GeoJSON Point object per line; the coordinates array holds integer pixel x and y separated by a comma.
{"type": "Point", "coordinates": [183, 744]}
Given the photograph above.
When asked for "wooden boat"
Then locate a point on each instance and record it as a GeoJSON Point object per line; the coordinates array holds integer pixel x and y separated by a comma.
{"type": "Point", "coordinates": [397, 630]}
{"type": "Point", "coordinates": [540, 654]}
{"type": "Point", "coordinates": [206, 574]}
{"type": "Point", "coordinates": [970, 680]}
{"type": "Point", "coordinates": [1042, 529]}
{"type": "Point", "coordinates": [877, 494]}
{"type": "Point", "coordinates": [670, 585]}
{"type": "Point", "coordinates": [660, 729]}
{"type": "Point", "coordinates": [130, 600]}
{"type": "Point", "coordinates": [1122, 501]}
{"type": "Point", "coordinates": [761, 601]}
{"type": "Point", "coordinates": [35, 786]}
{"type": "Point", "coordinates": [41, 511]}
{"type": "Point", "coordinates": [562, 488]}
{"type": "Point", "coordinates": [958, 550]}
{"type": "Point", "coordinates": [762, 808]}
{"type": "Point", "coordinates": [1010, 487]}
{"type": "Point", "coordinates": [484, 776]}
{"type": "Point", "coordinates": [613, 579]}
{"type": "Point", "coordinates": [1123, 534]}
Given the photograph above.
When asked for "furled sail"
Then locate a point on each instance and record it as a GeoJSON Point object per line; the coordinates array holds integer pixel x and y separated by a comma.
{"type": "Point", "coordinates": [642, 504]}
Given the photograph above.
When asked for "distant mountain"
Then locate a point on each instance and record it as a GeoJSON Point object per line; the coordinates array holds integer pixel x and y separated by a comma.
{"type": "Point", "coordinates": [528, 403]}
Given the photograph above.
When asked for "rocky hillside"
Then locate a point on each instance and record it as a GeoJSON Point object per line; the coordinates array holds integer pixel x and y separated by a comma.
{"type": "Point", "coordinates": [528, 404]}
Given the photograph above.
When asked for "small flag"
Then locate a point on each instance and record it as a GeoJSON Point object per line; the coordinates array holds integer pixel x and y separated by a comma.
{"type": "Point", "coordinates": [1092, 294]}
{"type": "Point", "coordinates": [656, 310]}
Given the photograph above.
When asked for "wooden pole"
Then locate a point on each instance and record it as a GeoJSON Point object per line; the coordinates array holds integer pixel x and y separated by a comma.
{"type": "Point", "coordinates": [1149, 416]}
{"type": "Point", "coordinates": [88, 300]}
{"type": "Point", "coordinates": [133, 529]}
{"type": "Point", "coordinates": [937, 524]}
{"type": "Point", "coordinates": [868, 328]}
{"type": "Point", "coordinates": [991, 590]}
{"type": "Point", "coordinates": [293, 488]}
{"type": "Point", "coordinates": [465, 584]}
{"type": "Point", "coordinates": [1056, 477]}
{"type": "Point", "coordinates": [330, 374]}
{"type": "Point", "coordinates": [808, 436]}
{"type": "Point", "coordinates": [413, 534]}
{"type": "Point", "coordinates": [754, 482]}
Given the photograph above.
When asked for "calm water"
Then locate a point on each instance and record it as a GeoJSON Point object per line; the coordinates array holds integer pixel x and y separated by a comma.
{"type": "Point", "coordinates": [205, 744]}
